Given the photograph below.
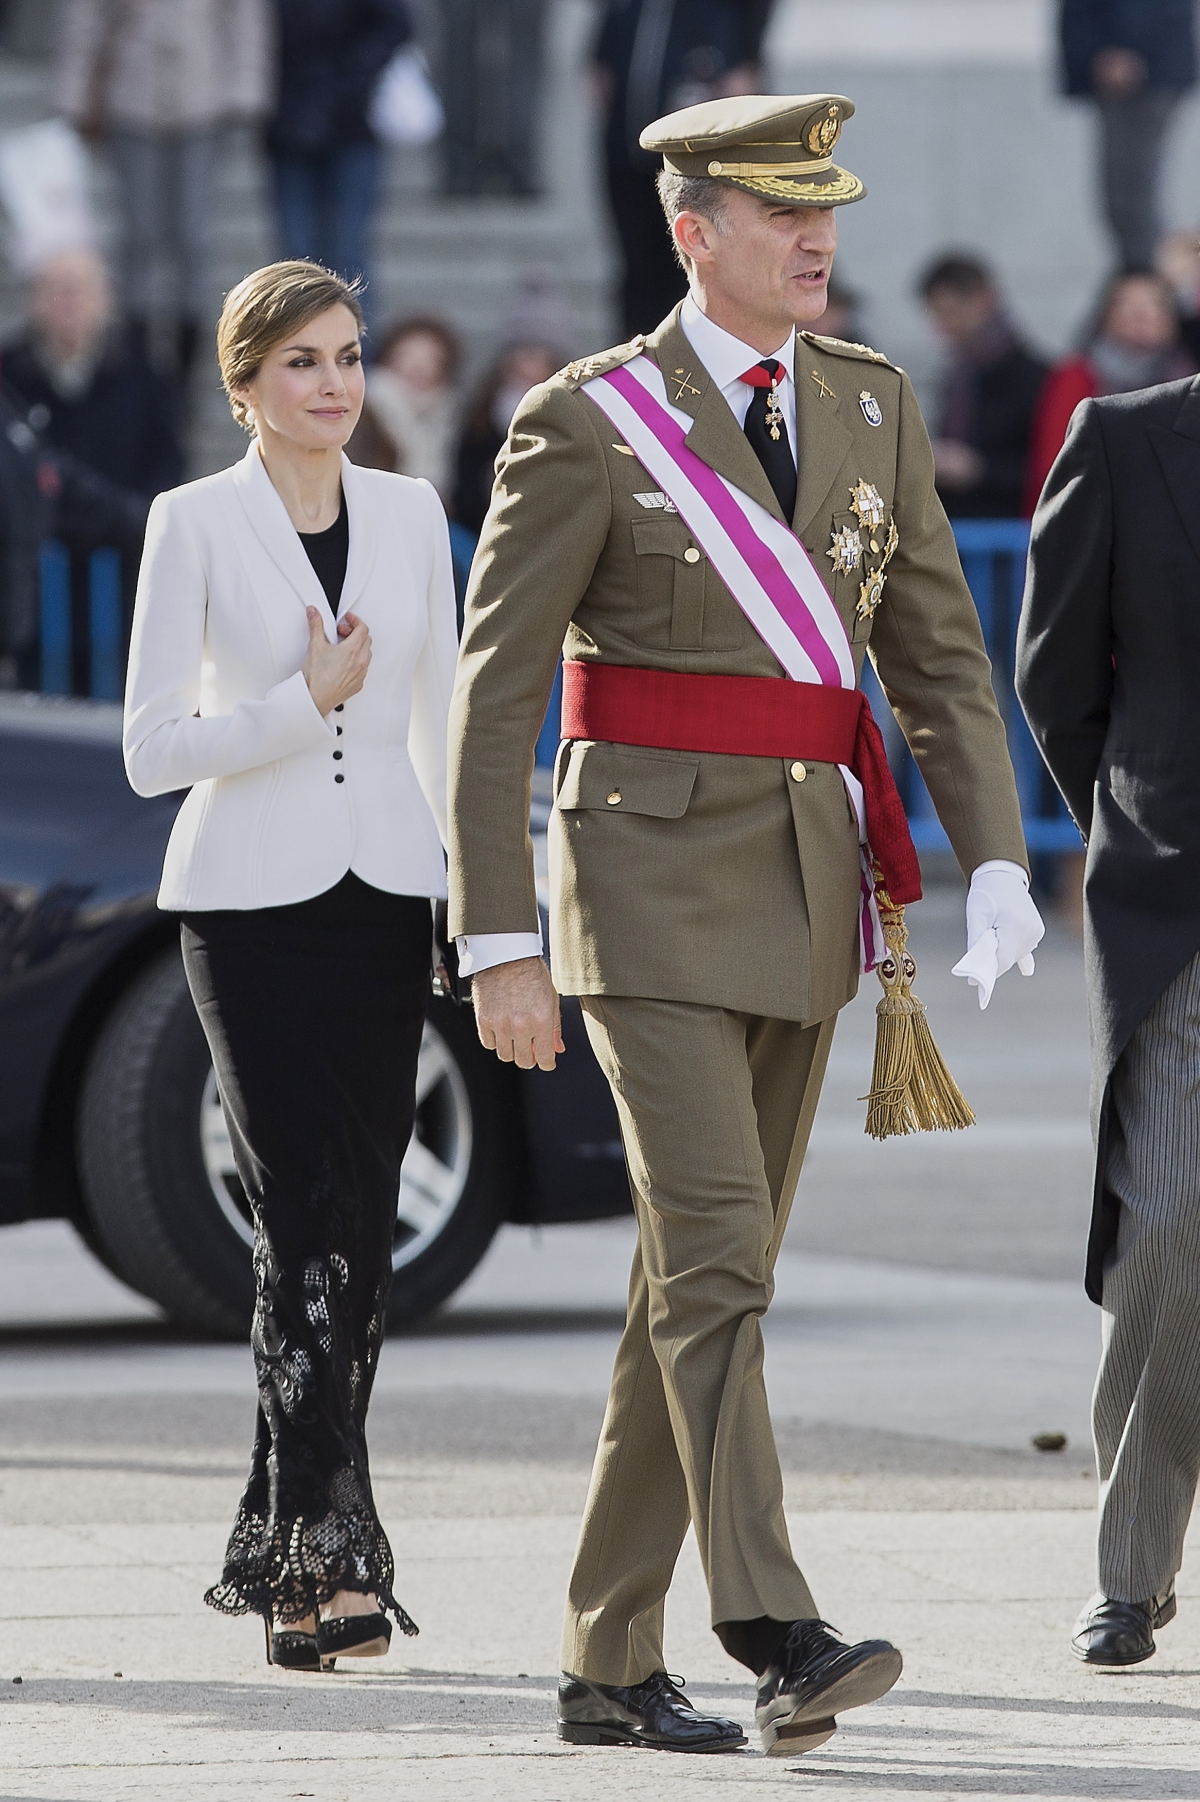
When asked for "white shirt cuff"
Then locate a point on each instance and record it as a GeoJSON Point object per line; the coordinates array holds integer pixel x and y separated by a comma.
{"type": "Point", "coordinates": [483, 950]}
{"type": "Point", "coordinates": [1001, 863]}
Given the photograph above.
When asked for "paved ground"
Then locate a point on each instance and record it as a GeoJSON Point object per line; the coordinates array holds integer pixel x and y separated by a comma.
{"type": "Point", "coordinates": [928, 1322]}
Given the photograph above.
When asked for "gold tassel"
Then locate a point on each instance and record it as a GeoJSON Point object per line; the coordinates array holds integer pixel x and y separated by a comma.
{"type": "Point", "coordinates": [911, 1088]}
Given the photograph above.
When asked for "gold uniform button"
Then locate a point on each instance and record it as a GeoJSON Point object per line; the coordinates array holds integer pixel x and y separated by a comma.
{"type": "Point", "coordinates": [691, 555]}
{"type": "Point", "coordinates": [614, 800]}
{"type": "Point", "coordinates": [798, 772]}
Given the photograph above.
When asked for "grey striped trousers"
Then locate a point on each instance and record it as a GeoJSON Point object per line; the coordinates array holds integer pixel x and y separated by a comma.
{"type": "Point", "coordinates": [1146, 1407]}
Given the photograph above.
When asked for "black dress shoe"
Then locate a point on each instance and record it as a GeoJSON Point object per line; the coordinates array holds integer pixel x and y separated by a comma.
{"type": "Point", "coordinates": [1116, 1634]}
{"type": "Point", "coordinates": [814, 1677]}
{"type": "Point", "coordinates": [654, 1713]}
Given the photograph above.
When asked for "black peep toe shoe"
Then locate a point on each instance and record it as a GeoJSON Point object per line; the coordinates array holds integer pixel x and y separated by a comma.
{"type": "Point", "coordinates": [352, 1636]}
{"type": "Point", "coordinates": [291, 1649]}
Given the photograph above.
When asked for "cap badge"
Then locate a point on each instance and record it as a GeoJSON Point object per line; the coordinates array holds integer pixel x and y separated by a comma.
{"type": "Point", "coordinates": [871, 410]}
{"type": "Point", "coordinates": [867, 502]}
{"type": "Point", "coordinates": [822, 136]}
{"type": "Point", "coordinates": [846, 551]}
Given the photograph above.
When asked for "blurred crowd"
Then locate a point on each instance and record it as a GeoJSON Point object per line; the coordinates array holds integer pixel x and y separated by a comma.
{"type": "Point", "coordinates": [92, 386]}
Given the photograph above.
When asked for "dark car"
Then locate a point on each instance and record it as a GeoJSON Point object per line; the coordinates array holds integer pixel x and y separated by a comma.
{"type": "Point", "coordinates": [109, 1113]}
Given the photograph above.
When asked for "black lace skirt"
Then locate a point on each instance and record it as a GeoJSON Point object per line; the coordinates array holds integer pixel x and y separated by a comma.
{"type": "Point", "coordinates": [313, 1014]}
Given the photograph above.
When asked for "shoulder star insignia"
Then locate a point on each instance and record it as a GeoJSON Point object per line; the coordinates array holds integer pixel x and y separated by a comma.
{"type": "Point", "coordinates": [867, 502]}
{"type": "Point", "coordinates": [846, 551]}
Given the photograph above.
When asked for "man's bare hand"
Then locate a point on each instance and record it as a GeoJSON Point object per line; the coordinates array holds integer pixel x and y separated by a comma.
{"type": "Point", "coordinates": [517, 1013]}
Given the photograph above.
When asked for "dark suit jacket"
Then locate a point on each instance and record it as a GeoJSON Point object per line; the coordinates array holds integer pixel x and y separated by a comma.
{"type": "Point", "coordinates": [1108, 671]}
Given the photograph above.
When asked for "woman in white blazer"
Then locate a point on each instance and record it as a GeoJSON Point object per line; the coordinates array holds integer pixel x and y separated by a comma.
{"type": "Point", "coordinates": [292, 657]}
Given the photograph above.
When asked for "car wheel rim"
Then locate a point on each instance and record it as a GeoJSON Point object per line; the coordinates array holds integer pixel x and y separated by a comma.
{"type": "Point", "coordinates": [433, 1175]}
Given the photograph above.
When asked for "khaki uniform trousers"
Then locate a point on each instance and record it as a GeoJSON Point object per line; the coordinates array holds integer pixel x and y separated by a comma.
{"type": "Point", "coordinates": [716, 1108]}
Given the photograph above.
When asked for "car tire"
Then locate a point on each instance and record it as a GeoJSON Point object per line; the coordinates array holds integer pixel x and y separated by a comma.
{"type": "Point", "coordinates": [167, 1209]}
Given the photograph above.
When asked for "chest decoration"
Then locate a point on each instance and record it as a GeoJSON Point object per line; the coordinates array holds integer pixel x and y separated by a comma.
{"type": "Point", "coordinates": [871, 410]}
{"type": "Point", "coordinates": [846, 551]}
{"type": "Point", "coordinates": [871, 591]}
{"type": "Point", "coordinates": [658, 502]}
{"type": "Point", "coordinates": [867, 502]}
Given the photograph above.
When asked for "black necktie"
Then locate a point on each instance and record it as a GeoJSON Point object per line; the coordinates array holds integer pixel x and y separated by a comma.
{"type": "Point", "coordinates": [767, 432]}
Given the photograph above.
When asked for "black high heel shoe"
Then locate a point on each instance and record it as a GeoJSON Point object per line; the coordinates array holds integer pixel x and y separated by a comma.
{"type": "Point", "coordinates": [291, 1649]}
{"type": "Point", "coordinates": [352, 1636]}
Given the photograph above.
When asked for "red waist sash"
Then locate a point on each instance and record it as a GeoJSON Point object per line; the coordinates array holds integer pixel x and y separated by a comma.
{"type": "Point", "coordinates": [750, 716]}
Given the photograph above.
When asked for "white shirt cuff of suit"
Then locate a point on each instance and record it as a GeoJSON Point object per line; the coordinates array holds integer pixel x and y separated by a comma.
{"type": "Point", "coordinates": [483, 950]}
{"type": "Point", "coordinates": [1001, 863]}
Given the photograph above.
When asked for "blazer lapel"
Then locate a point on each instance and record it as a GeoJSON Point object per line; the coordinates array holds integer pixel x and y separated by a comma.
{"type": "Point", "coordinates": [362, 535]}
{"type": "Point", "coordinates": [822, 441]}
{"type": "Point", "coordinates": [1178, 453]}
{"type": "Point", "coordinates": [715, 436]}
{"type": "Point", "coordinates": [268, 519]}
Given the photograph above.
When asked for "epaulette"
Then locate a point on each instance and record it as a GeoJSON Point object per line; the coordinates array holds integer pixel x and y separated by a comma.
{"type": "Point", "coordinates": [841, 347]}
{"type": "Point", "coordinates": [585, 369]}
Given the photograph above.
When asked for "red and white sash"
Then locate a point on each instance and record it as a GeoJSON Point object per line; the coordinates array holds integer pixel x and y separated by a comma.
{"type": "Point", "coordinates": [761, 561]}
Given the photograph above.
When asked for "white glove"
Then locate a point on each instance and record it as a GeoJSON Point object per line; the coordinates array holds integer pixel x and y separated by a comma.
{"type": "Point", "coordinates": [1003, 926]}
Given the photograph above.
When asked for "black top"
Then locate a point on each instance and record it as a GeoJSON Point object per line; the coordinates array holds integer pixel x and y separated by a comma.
{"type": "Point", "coordinates": [1006, 394]}
{"type": "Point", "coordinates": [331, 54]}
{"type": "Point", "coordinates": [327, 552]}
{"type": "Point", "coordinates": [1161, 31]}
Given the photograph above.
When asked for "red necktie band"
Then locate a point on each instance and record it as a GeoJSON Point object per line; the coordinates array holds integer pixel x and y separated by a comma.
{"type": "Point", "coordinates": [763, 375]}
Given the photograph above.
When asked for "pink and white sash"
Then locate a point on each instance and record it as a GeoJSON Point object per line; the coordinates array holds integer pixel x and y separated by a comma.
{"type": "Point", "coordinates": [761, 561]}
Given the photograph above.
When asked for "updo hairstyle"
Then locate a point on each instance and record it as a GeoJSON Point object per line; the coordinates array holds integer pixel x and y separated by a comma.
{"type": "Point", "coordinates": [268, 306]}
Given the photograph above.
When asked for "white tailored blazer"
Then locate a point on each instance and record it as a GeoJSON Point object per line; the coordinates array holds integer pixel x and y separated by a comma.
{"type": "Point", "coordinates": [282, 802]}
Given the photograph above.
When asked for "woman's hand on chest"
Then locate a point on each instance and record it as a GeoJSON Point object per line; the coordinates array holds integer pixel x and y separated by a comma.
{"type": "Point", "coordinates": [334, 672]}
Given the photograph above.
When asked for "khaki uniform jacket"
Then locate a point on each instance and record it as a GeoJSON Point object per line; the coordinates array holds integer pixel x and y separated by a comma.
{"type": "Point", "coordinates": [712, 879]}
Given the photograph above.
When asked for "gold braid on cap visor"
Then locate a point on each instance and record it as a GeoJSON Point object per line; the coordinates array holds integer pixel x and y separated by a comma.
{"type": "Point", "coordinates": [844, 186]}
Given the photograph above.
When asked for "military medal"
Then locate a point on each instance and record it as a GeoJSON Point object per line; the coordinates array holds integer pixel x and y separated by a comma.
{"type": "Point", "coordinates": [871, 410]}
{"type": "Point", "coordinates": [846, 551]}
{"type": "Point", "coordinates": [870, 594]}
{"type": "Point", "coordinates": [774, 410]}
{"type": "Point", "coordinates": [867, 502]}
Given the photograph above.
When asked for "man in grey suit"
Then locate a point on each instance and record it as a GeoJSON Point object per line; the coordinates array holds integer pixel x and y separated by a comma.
{"type": "Point", "coordinates": [1108, 673]}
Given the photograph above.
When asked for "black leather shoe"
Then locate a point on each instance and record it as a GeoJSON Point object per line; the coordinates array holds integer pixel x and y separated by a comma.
{"type": "Point", "coordinates": [814, 1677]}
{"type": "Point", "coordinates": [1116, 1634]}
{"type": "Point", "coordinates": [655, 1713]}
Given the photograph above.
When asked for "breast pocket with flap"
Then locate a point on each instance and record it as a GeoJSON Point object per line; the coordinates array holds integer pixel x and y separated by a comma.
{"type": "Point", "coordinates": [670, 568]}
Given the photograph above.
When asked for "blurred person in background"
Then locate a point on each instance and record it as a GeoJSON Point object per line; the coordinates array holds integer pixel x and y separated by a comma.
{"type": "Point", "coordinates": [1178, 262]}
{"type": "Point", "coordinates": [1134, 59]}
{"type": "Point", "coordinates": [324, 154]}
{"type": "Point", "coordinates": [409, 421]}
{"type": "Point", "coordinates": [651, 57]}
{"type": "Point", "coordinates": [156, 81]}
{"type": "Point", "coordinates": [111, 422]}
{"type": "Point", "coordinates": [1134, 343]}
{"type": "Point", "coordinates": [840, 318]}
{"type": "Point", "coordinates": [485, 429]}
{"type": "Point", "coordinates": [981, 443]}
{"type": "Point", "coordinates": [490, 76]}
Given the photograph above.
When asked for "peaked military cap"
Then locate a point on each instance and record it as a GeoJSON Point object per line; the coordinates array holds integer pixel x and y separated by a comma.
{"type": "Point", "coordinates": [779, 146]}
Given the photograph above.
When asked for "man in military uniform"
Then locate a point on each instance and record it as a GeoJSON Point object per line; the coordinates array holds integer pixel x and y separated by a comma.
{"type": "Point", "coordinates": [707, 901]}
